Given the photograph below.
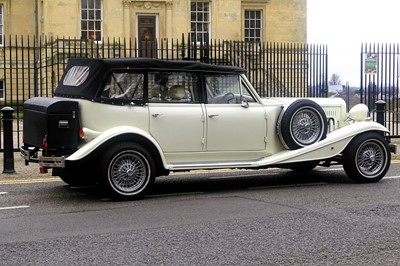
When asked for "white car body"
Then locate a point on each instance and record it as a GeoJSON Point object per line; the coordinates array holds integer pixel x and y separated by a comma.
{"type": "Point", "coordinates": [209, 145]}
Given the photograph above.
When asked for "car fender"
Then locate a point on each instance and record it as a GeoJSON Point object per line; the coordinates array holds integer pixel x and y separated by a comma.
{"type": "Point", "coordinates": [332, 145]}
{"type": "Point", "coordinates": [109, 134]}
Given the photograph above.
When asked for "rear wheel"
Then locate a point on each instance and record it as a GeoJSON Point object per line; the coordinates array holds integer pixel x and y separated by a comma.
{"type": "Point", "coordinates": [128, 171]}
{"type": "Point", "coordinates": [367, 158]}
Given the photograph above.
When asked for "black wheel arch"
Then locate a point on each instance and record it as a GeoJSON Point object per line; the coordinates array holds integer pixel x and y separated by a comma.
{"type": "Point", "coordinates": [136, 138]}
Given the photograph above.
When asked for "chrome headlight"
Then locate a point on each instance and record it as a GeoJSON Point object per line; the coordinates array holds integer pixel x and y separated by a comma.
{"type": "Point", "coordinates": [358, 112]}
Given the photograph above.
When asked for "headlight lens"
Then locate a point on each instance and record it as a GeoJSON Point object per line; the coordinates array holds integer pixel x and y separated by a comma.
{"type": "Point", "coordinates": [359, 112]}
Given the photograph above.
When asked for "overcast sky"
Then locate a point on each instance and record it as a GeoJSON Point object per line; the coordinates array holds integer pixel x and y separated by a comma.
{"type": "Point", "coordinates": [344, 24]}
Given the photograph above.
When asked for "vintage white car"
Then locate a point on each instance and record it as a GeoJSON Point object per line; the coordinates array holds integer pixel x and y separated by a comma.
{"type": "Point", "coordinates": [120, 123]}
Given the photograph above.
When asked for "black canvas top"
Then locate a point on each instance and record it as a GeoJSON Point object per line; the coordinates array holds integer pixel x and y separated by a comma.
{"type": "Point", "coordinates": [99, 67]}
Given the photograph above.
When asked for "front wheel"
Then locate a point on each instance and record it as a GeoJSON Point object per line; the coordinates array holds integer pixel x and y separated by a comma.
{"type": "Point", "coordinates": [127, 171]}
{"type": "Point", "coordinates": [367, 158]}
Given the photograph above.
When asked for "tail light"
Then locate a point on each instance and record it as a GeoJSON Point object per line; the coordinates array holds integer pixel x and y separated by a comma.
{"type": "Point", "coordinates": [45, 143]}
{"type": "Point", "coordinates": [81, 133]}
{"type": "Point", "coordinates": [43, 170]}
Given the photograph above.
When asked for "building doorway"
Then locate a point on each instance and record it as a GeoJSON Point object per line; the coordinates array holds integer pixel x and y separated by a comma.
{"type": "Point", "coordinates": [147, 35]}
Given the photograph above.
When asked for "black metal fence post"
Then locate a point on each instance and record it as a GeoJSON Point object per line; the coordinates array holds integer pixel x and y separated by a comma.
{"type": "Point", "coordinates": [8, 140]}
{"type": "Point", "coordinates": [380, 111]}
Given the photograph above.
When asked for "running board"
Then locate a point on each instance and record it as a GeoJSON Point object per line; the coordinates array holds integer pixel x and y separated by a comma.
{"type": "Point", "coordinates": [211, 165]}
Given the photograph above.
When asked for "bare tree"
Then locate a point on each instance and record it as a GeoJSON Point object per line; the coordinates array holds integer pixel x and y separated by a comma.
{"type": "Point", "coordinates": [335, 79]}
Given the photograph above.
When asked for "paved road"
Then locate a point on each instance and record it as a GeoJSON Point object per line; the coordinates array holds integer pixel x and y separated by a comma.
{"type": "Point", "coordinates": [268, 217]}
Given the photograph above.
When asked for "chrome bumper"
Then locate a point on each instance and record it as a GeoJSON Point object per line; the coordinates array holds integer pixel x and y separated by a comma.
{"type": "Point", "coordinates": [48, 162]}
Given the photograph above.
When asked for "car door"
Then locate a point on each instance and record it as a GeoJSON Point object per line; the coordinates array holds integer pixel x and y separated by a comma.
{"type": "Point", "coordinates": [176, 116]}
{"type": "Point", "coordinates": [235, 121]}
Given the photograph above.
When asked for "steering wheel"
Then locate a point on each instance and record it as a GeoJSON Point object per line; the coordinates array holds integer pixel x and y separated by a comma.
{"type": "Point", "coordinates": [228, 97]}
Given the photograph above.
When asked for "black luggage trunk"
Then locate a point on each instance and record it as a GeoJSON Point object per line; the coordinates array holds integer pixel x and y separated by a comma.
{"type": "Point", "coordinates": [51, 120]}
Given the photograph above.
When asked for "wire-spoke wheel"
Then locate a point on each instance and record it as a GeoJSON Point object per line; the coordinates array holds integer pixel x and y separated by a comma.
{"type": "Point", "coordinates": [306, 126]}
{"type": "Point", "coordinates": [128, 171]}
{"type": "Point", "coordinates": [301, 124]}
{"type": "Point", "coordinates": [367, 158]}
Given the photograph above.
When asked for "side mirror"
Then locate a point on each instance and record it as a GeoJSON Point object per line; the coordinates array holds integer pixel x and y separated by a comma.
{"type": "Point", "coordinates": [244, 102]}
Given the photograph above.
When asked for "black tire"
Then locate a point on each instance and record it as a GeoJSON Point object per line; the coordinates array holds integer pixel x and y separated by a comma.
{"type": "Point", "coordinates": [127, 171]}
{"type": "Point", "coordinates": [301, 124]}
{"type": "Point", "coordinates": [367, 158]}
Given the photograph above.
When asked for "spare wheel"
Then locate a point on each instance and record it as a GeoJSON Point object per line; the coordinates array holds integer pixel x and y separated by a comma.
{"type": "Point", "coordinates": [301, 123]}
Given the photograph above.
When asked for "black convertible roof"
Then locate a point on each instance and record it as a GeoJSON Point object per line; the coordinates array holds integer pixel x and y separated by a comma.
{"type": "Point", "coordinates": [99, 67]}
{"type": "Point", "coordinates": [157, 64]}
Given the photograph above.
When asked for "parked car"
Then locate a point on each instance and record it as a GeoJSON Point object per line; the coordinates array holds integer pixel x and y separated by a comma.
{"type": "Point", "coordinates": [120, 123]}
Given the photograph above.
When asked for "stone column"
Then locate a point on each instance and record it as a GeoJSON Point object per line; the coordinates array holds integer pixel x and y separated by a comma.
{"type": "Point", "coordinates": [168, 5]}
{"type": "Point", "coordinates": [127, 20]}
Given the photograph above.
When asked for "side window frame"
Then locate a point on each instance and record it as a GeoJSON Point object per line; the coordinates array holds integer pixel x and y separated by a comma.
{"type": "Point", "coordinates": [218, 94]}
{"type": "Point", "coordinates": [234, 96]}
{"type": "Point", "coordinates": [174, 86]}
{"type": "Point", "coordinates": [248, 96]}
{"type": "Point", "coordinates": [126, 96]}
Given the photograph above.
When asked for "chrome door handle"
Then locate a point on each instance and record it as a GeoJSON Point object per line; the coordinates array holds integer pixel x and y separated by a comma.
{"type": "Point", "coordinates": [213, 115]}
{"type": "Point", "coordinates": [156, 114]}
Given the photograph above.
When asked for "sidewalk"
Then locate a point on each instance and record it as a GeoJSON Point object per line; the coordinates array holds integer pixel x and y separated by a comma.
{"type": "Point", "coordinates": [21, 170]}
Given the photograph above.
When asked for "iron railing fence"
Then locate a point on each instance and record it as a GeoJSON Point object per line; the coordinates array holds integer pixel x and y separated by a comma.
{"type": "Point", "coordinates": [380, 81]}
{"type": "Point", "coordinates": [32, 66]}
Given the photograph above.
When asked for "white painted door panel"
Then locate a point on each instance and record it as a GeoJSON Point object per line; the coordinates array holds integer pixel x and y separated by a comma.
{"type": "Point", "coordinates": [177, 127]}
{"type": "Point", "coordinates": [231, 127]}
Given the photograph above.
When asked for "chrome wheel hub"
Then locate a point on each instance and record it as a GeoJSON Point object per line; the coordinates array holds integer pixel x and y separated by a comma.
{"type": "Point", "coordinates": [306, 127]}
{"type": "Point", "coordinates": [128, 172]}
{"type": "Point", "coordinates": [371, 159]}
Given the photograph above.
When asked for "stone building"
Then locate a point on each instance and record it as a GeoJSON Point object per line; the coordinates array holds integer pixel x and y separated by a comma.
{"type": "Point", "coordinates": [245, 20]}
{"type": "Point", "coordinates": [31, 66]}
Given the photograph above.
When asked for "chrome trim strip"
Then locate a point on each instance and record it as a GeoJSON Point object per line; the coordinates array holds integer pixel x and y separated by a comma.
{"type": "Point", "coordinates": [44, 161]}
{"type": "Point", "coordinates": [52, 161]}
{"type": "Point", "coordinates": [25, 154]}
